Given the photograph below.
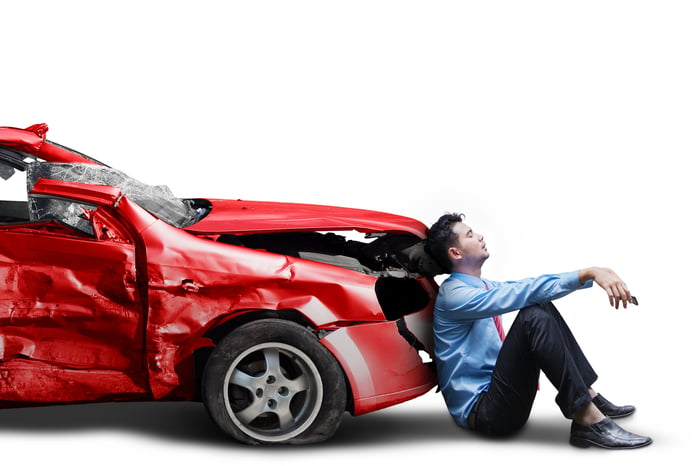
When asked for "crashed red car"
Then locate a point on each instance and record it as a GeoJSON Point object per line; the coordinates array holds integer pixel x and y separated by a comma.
{"type": "Point", "coordinates": [116, 290]}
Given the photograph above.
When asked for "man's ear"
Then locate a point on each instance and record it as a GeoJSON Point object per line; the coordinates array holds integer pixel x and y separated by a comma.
{"type": "Point", "coordinates": [454, 253]}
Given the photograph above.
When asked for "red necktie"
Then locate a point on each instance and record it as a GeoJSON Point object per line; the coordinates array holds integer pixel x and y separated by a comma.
{"type": "Point", "coordinates": [497, 321]}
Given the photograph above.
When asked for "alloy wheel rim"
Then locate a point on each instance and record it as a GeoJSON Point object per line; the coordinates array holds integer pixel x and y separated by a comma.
{"type": "Point", "coordinates": [273, 392]}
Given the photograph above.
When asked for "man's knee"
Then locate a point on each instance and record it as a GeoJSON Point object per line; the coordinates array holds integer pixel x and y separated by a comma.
{"type": "Point", "coordinates": [544, 312]}
{"type": "Point", "coordinates": [540, 320]}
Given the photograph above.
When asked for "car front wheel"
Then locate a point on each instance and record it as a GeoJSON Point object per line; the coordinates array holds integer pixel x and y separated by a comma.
{"type": "Point", "coordinates": [270, 381]}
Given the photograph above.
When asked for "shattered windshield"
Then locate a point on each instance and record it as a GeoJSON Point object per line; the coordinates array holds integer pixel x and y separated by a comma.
{"type": "Point", "coordinates": [158, 200]}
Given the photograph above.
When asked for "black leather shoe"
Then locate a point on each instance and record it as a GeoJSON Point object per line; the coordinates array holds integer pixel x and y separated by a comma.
{"type": "Point", "coordinates": [605, 434]}
{"type": "Point", "coordinates": [611, 410]}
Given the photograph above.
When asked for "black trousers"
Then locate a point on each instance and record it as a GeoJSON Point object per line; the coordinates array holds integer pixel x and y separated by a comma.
{"type": "Point", "coordinates": [539, 339]}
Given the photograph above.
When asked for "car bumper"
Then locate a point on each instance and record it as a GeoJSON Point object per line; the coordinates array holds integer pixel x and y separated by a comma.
{"type": "Point", "coordinates": [382, 367]}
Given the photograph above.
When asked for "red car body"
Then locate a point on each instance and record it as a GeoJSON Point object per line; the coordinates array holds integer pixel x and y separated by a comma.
{"type": "Point", "coordinates": [131, 307]}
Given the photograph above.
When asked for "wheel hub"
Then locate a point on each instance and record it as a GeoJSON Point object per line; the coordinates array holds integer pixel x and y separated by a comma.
{"type": "Point", "coordinates": [285, 391]}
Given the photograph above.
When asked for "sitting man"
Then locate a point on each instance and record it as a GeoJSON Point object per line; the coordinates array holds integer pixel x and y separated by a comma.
{"type": "Point", "coordinates": [489, 380]}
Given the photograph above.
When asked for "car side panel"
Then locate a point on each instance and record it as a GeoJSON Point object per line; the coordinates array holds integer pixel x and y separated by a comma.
{"type": "Point", "coordinates": [383, 369]}
{"type": "Point", "coordinates": [193, 283]}
{"type": "Point", "coordinates": [71, 321]}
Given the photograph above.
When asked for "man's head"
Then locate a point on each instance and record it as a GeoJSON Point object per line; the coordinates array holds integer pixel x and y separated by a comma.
{"type": "Point", "coordinates": [455, 246]}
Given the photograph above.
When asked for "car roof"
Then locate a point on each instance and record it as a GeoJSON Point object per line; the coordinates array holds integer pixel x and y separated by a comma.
{"type": "Point", "coordinates": [18, 144]}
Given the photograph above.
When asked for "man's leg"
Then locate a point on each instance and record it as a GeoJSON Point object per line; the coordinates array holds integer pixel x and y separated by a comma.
{"type": "Point", "coordinates": [569, 370]}
{"type": "Point", "coordinates": [539, 339]}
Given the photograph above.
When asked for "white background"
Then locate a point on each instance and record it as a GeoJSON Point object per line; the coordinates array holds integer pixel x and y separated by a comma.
{"type": "Point", "coordinates": [566, 131]}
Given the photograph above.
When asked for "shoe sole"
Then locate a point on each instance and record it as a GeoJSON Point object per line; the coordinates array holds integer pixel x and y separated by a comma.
{"type": "Point", "coordinates": [618, 416]}
{"type": "Point", "coordinates": [584, 443]}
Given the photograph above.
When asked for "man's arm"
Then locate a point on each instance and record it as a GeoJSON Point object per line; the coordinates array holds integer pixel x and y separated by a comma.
{"type": "Point", "coordinates": [609, 281]}
{"type": "Point", "coordinates": [458, 300]}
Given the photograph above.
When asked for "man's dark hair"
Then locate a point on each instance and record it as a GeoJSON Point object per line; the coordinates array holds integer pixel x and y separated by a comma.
{"type": "Point", "coordinates": [441, 237]}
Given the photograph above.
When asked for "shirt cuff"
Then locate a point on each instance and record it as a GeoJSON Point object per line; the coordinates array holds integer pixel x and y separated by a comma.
{"type": "Point", "coordinates": [570, 280]}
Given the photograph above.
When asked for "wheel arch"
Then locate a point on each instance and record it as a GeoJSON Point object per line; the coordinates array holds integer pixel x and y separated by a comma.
{"type": "Point", "coordinates": [225, 326]}
{"type": "Point", "coordinates": [241, 317]}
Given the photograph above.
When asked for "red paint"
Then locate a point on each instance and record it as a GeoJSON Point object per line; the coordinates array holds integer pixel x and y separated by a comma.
{"type": "Point", "coordinates": [252, 216]}
{"type": "Point", "coordinates": [121, 314]}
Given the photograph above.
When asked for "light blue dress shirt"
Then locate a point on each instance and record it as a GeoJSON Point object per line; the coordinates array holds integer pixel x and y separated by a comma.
{"type": "Point", "coordinates": [466, 339]}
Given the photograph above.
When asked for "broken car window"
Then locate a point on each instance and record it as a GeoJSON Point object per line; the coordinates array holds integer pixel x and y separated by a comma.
{"type": "Point", "coordinates": [158, 200]}
{"type": "Point", "coordinates": [70, 213]}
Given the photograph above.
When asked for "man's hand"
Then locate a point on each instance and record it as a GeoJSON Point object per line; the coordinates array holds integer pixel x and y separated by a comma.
{"type": "Point", "coordinates": [612, 284]}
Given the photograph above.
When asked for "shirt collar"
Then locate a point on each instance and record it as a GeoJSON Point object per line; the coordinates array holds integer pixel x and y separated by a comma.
{"type": "Point", "coordinates": [468, 279]}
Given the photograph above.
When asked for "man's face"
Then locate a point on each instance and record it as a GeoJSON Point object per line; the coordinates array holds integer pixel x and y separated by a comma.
{"type": "Point", "coordinates": [469, 248]}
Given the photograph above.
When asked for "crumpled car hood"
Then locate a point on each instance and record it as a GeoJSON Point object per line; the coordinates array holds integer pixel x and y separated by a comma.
{"type": "Point", "coordinates": [239, 216]}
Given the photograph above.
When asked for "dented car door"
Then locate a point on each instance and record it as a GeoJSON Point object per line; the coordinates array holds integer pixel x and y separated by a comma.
{"type": "Point", "coordinates": [70, 314]}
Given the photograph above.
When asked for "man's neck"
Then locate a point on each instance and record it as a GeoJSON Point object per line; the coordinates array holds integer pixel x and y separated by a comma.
{"type": "Point", "coordinates": [473, 271]}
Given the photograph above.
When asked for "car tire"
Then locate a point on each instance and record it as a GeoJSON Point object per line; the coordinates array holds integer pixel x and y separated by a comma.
{"type": "Point", "coordinates": [271, 381]}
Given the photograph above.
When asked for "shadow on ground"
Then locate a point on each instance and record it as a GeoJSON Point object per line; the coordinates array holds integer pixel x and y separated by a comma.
{"type": "Point", "coordinates": [189, 422]}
